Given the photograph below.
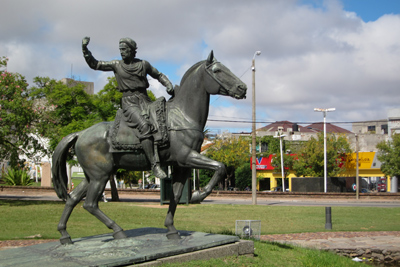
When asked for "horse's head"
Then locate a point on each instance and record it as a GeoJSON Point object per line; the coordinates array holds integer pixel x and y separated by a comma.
{"type": "Point", "coordinates": [226, 82]}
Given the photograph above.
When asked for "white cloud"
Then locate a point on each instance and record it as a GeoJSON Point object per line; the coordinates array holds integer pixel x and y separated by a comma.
{"type": "Point", "coordinates": [311, 57]}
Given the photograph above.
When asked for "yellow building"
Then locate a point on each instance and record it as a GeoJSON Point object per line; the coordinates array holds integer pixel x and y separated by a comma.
{"type": "Point", "coordinates": [369, 168]}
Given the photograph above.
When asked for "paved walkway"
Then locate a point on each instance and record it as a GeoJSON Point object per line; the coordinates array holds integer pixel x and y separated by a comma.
{"type": "Point", "coordinates": [383, 246]}
{"type": "Point", "coordinates": [389, 240]}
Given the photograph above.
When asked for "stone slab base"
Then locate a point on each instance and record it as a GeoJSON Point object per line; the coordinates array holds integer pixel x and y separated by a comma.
{"type": "Point", "coordinates": [145, 245]}
{"type": "Point", "coordinates": [240, 248]}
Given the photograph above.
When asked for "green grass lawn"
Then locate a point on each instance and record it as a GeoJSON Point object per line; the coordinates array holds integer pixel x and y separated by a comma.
{"type": "Point", "coordinates": [20, 219]}
{"type": "Point", "coordinates": [25, 218]}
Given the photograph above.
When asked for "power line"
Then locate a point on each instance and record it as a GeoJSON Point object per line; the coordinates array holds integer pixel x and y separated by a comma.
{"type": "Point", "coordinates": [301, 122]}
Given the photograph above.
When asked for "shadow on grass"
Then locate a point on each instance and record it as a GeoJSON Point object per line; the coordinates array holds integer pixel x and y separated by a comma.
{"type": "Point", "coordinates": [280, 245]}
{"type": "Point", "coordinates": [277, 244]}
{"type": "Point", "coordinates": [20, 202]}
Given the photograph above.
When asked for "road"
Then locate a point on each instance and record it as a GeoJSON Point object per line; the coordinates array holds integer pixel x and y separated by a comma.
{"type": "Point", "coordinates": [306, 202]}
{"type": "Point", "coordinates": [155, 199]}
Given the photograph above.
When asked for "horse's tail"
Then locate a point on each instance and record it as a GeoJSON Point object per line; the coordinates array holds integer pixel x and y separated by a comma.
{"type": "Point", "coordinates": [59, 169]}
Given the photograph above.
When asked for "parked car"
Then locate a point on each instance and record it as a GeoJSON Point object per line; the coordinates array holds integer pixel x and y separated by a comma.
{"type": "Point", "coordinates": [148, 186]}
{"type": "Point", "coordinates": [382, 184]}
{"type": "Point", "coordinates": [365, 190]}
{"type": "Point", "coordinates": [155, 187]}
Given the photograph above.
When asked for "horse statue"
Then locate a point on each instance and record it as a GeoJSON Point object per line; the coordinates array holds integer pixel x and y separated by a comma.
{"type": "Point", "coordinates": [187, 114]}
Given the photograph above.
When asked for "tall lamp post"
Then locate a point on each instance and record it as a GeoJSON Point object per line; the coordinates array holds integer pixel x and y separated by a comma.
{"type": "Point", "coordinates": [280, 136]}
{"type": "Point", "coordinates": [324, 111]}
{"type": "Point", "coordinates": [253, 134]}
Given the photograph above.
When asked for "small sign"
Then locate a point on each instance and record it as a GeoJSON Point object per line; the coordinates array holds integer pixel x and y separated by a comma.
{"type": "Point", "coordinates": [354, 186]}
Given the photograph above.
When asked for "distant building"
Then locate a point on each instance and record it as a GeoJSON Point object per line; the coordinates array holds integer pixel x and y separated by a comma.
{"type": "Point", "coordinates": [370, 127]}
{"type": "Point", "coordinates": [330, 128]}
{"type": "Point", "coordinates": [394, 121]}
{"type": "Point", "coordinates": [284, 126]}
{"type": "Point", "coordinates": [295, 132]}
{"type": "Point", "coordinates": [89, 86]}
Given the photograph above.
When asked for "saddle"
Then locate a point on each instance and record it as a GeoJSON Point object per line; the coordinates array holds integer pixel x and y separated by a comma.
{"type": "Point", "coordinates": [125, 139]}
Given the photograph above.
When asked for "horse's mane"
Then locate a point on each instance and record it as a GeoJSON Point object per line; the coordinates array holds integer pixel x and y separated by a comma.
{"type": "Point", "coordinates": [190, 70]}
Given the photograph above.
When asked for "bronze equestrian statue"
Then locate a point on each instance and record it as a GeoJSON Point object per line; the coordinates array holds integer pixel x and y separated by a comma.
{"type": "Point", "coordinates": [186, 117]}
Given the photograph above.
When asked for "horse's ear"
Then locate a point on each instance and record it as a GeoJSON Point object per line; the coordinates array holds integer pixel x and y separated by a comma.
{"type": "Point", "coordinates": [210, 58]}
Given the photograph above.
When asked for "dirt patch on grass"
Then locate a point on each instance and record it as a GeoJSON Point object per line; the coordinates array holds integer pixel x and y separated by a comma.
{"type": "Point", "coordinates": [7, 244]}
{"type": "Point", "coordinates": [158, 206]}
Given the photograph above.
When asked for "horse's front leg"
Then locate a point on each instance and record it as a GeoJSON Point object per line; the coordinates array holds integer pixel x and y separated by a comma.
{"type": "Point", "coordinates": [180, 176]}
{"type": "Point", "coordinates": [198, 161]}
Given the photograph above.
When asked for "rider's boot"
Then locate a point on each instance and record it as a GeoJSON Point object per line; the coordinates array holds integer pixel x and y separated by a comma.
{"type": "Point", "coordinates": [148, 148]}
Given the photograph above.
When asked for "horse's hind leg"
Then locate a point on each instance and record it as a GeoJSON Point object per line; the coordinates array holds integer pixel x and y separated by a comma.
{"type": "Point", "coordinates": [179, 178]}
{"type": "Point", "coordinates": [93, 196]}
{"type": "Point", "coordinates": [74, 198]}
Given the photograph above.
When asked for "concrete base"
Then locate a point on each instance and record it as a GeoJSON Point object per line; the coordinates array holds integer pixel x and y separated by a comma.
{"type": "Point", "coordinates": [148, 246]}
{"type": "Point", "coordinates": [240, 248]}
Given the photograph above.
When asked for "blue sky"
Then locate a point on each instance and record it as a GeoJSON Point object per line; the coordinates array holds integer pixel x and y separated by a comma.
{"type": "Point", "coordinates": [371, 10]}
{"type": "Point", "coordinates": [315, 53]}
{"type": "Point", "coordinates": [368, 10]}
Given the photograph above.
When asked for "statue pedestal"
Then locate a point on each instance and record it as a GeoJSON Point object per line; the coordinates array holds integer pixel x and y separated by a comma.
{"type": "Point", "coordinates": [46, 174]}
{"type": "Point", "coordinates": [142, 245]}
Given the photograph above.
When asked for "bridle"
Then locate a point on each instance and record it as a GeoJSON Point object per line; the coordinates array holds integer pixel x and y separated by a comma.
{"type": "Point", "coordinates": [223, 90]}
{"type": "Point", "coordinates": [210, 72]}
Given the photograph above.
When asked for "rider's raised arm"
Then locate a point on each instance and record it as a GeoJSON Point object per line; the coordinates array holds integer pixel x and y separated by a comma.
{"type": "Point", "coordinates": [153, 72]}
{"type": "Point", "coordinates": [91, 61]}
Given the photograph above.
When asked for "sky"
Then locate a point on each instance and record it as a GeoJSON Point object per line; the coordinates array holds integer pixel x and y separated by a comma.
{"type": "Point", "coordinates": [342, 54]}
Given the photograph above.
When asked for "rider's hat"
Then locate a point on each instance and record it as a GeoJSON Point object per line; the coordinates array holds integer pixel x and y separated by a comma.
{"type": "Point", "coordinates": [129, 42]}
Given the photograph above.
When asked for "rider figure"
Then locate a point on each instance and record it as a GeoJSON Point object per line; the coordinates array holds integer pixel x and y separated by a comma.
{"type": "Point", "coordinates": [130, 73]}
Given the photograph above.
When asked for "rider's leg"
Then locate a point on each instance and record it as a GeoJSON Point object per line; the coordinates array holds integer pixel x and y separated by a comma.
{"type": "Point", "coordinates": [148, 147]}
{"type": "Point", "coordinates": [133, 113]}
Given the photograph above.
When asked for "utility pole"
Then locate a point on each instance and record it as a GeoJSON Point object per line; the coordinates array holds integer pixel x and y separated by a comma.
{"type": "Point", "coordinates": [357, 173]}
{"type": "Point", "coordinates": [253, 135]}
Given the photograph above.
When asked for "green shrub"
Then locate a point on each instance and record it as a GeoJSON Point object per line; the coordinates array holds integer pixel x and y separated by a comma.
{"type": "Point", "coordinates": [243, 176]}
{"type": "Point", "coordinates": [17, 177]}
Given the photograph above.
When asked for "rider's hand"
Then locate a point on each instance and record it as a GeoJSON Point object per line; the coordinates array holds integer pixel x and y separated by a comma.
{"type": "Point", "coordinates": [170, 90]}
{"type": "Point", "coordinates": [85, 41]}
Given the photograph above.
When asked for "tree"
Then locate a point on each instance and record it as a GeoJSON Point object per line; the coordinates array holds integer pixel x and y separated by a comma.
{"type": "Point", "coordinates": [389, 155]}
{"type": "Point", "coordinates": [272, 144]}
{"type": "Point", "coordinates": [205, 177]}
{"type": "Point", "coordinates": [64, 109]}
{"type": "Point", "coordinates": [129, 177]}
{"type": "Point", "coordinates": [310, 159]}
{"type": "Point", "coordinates": [288, 162]}
{"type": "Point", "coordinates": [232, 152]}
{"type": "Point", "coordinates": [243, 176]}
{"type": "Point", "coordinates": [18, 135]}
{"type": "Point", "coordinates": [108, 100]}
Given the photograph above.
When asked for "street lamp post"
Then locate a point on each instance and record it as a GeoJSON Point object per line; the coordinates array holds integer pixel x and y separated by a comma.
{"type": "Point", "coordinates": [324, 111]}
{"type": "Point", "coordinates": [253, 134]}
{"type": "Point", "coordinates": [282, 167]}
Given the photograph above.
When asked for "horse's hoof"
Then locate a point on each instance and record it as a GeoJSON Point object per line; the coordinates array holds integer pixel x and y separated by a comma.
{"type": "Point", "coordinates": [119, 235]}
{"type": "Point", "coordinates": [66, 240]}
{"type": "Point", "coordinates": [173, 236]}
{"type": "Point", "coordinates": [197, 197]}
